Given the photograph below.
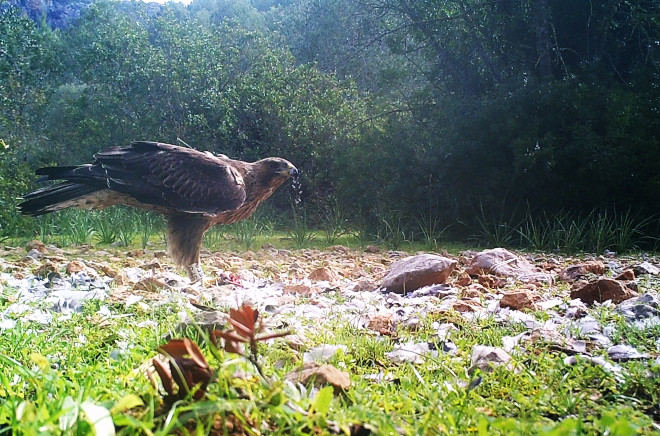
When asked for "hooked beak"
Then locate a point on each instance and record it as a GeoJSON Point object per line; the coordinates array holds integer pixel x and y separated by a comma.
{"type": "Point", "coordinates": [293, 173]}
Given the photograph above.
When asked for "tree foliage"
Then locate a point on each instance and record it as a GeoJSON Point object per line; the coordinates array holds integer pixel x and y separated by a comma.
{"type": "Point", "coordinates": [390, 107]}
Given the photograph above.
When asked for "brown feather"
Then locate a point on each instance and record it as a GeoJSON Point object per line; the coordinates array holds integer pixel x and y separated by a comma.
{"type": "Point", "coordinates": [194, 190]}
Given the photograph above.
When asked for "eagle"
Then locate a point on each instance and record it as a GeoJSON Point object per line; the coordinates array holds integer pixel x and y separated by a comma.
{"type": "Point", "coordinates": [194, 190]}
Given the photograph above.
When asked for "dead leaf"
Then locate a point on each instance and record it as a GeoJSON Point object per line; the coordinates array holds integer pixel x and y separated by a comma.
{"type": "Point", "coordinates": [186, 372]}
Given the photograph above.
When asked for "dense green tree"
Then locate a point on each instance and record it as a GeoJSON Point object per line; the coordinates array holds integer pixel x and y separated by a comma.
{"type": "Point", "coordinates": [523, 103]}
{"type": "Point", "coordinates": [28, 64]}
{"type": "Point", "coordinates": [390, 107]}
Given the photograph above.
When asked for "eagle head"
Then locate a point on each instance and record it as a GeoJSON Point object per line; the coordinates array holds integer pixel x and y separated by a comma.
{"type": "Point", "coordinates": [278, 168]}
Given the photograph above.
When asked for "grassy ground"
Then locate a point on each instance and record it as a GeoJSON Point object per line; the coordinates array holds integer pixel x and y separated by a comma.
{"type": "Point", "coordinates": [85, 372]}
{"type": "Point", "coordinates": [50, 375]}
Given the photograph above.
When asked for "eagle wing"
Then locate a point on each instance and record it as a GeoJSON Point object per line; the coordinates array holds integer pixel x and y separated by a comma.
{"type": "Point", "coordinates": [178, 178]}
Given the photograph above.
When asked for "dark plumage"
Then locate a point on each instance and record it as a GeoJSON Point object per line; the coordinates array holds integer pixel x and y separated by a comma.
{"type": "Point", "coordinates": [194, 190]}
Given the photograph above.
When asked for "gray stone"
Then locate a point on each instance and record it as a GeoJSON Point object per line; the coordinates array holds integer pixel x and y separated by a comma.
{"type": "Point", "coordinates": [644, 306]}
{"type": "Point", "coordinates": [411, 352]}
{"type": "Point", "coordinates": [411, 273]}
{"type": "Point", "coordinates": [646, 268]}
{"type": "Point", "coordinates": [485, 358]}
{"type": "Point", "coordinates": [502, 262]}
{"type": "Point", "coordinates": [622, 352]}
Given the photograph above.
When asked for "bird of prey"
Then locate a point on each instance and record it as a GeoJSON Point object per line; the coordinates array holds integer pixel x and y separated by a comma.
{"type": "Point", "coordinates": [194, 190]}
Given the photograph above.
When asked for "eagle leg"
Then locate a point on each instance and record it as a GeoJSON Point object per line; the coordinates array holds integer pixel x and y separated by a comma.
{"type": "Point", "coordinates": [185, 233]}
{"type": "Point", "coordinates": [195, 273]}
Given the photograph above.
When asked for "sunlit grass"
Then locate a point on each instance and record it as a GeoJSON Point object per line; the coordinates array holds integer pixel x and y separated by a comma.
{"type": "Point", "coordinates": [48, 371]}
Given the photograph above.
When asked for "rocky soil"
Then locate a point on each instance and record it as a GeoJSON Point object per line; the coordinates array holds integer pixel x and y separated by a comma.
{"type": "Point", "coordinates": [375, 290]}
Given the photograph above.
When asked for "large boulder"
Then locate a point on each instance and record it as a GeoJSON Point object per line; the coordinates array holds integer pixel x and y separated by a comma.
{"type": "Point", "coordinates": [414, 272]}
{"type": "Point", "coordinates": [504, 263]}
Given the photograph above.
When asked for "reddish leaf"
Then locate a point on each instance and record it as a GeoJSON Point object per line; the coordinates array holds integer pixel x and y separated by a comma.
{"type": "Point", "coordinates": [273, 336]}
{"type": "Point", "coordinates": [230, 336]}
{"type": "Point", "coordinates": [196, 354]}
{"type": "Point", "coordinates": [174, 348]}
{"type": "Point", "coordinates": [243, 320]}
{"type": "Point", "coordinates": [179, 348]}
{"type": "Point", "coordinates": [232, 341]}
{"type": "Point", "coordinates": [187, 375]}
{"type": "Point", "coordinates": [186, 372]}
{"type": "Point", "coordinates": [165, 375]}
{"type": "Point", "coordinates": [214, 338]}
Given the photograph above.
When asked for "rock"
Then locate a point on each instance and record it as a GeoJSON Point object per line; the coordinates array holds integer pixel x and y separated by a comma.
{"type": "Point", "coordinates": [58, 14]}
{"type": "Point", "coordinates": [108, 270]}
{"type": "Point", "coordinates": [467, 305]}
{"type": "Point", "coordinates": [75, 266]}
{"type": "Point", "coordinates": [46, 268]}
{"type": "Point", "coordinates": [323, 274]}
{"type": "Point", "coordinates": [643, 311]}
{"type": "Point", "coordinates": [411, 352]}
{"type": "Point", "coordinates": [206, 320]}
{"type": "Point", "coordinates": [626, 275]}
{"type": "Point", "coordinates": [339, 249]}
{"type": "Point", "coordinates": [152, 265]}
{"type": "Point", "coordinates": [382, 323]}
{"type": "Point", "coordinates": [151, 284]}
{"type": "Point", "coordinates": [551, 303]}
{"type": "Point", "coordinates": [54, 249]}
{"type": "Point", "coordinates": [646, 268]}
{"type": "Point", "coordinates": [486, 358]}
{"type": "Point", "coordinates": [135, 253]}
{"type": "Point", "coordinates": [414, 272]}
{"type": "Point", "coordinates": [546, 337]}
{"type": "Point", "coordinates": [575, 272]}
{"type": "Point", "coordinates": [490, 281]}
{"type": "Point", "coordinates": [323, 353]}
{"type": "Point", "coordinates": [67, 301]}
{"type": "Point", "coordinates": [99, 254]}
{"type": "Point", "coordinates": [472, 292]}
{"type": "Point", "coordinates": [320, 375]}
{"type": "Point", "coordinates": [463, 279]}
{"type": "Point", "coordinates": [607, 366]}
{"type": "Point", "coordinates": [518, 300]}
{"type": "Point", "coordinates": [602, 290]}
{"type": "Point", "coordinates": [270, 248]}
{"type": "Point", "coordinates": [621, 353]}
{"type": "Point", "coordinates": [247, 276]}
{"type": "Point", "coordinates": [300, 289]}
{"type": "Point", "coordinates": [364, 285]}
{"type": "Point", "coordinates": [248, 255]}
{"type": "Point", "coordinates": [33, 254]}
{"type": "Point", "coordinates": [295, 342]}
{"type": "Point", "coordinates": [36, 245]}
{"type": "Point", "coordinates": [502, 262]}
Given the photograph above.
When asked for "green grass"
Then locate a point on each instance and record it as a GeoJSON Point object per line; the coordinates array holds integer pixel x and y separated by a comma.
{"type": "Point", "coordinates": [50, 374]}
{"type": "Point", "coordinates": [594, 232]}
{"type": "Point", "coordinates": [125, 227]}
{"type": "Point", "coordinates": [53, 377]}
{"type": "Point", "coordinates": [563, 232]}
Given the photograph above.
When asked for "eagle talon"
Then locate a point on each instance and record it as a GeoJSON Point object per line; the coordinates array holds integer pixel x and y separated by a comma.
{"type": "Point", "coordinates": [195, 273]}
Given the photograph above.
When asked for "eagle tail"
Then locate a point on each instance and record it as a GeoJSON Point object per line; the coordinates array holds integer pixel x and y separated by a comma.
{"type": "Point", "coordinates": [57, 173]}
{"type": "Point", "coordinates": [53, 198]}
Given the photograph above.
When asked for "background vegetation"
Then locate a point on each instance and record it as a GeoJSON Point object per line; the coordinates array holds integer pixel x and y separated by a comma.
{"type": "Point", "coordinates": [502, 120]}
